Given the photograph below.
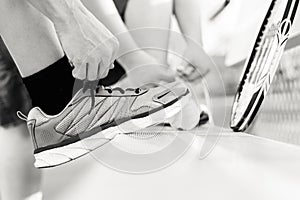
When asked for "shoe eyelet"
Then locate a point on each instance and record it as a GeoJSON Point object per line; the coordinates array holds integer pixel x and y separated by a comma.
{"type": "Point", "coordinates": [137, 91]}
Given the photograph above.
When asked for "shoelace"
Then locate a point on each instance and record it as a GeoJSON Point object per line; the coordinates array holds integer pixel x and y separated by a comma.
{"type": "Point", "coordinates": [94, 89]}
{"type": "Point", "coordinates": [92, 86]}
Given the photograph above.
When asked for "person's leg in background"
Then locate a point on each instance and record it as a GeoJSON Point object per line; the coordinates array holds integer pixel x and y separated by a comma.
{"type": "Point", "coordinates": [189, 18]}
{"type": "Point", "coordinates": [157, 15]}
{"type": "Point", "coordinates": [188, 15]}
{"type": "Point", "coordinates": [19, 178]}
{"type": "Point", "coordinates": [153, 14]}
{"type": "Point", "coordinates": [196, 63]}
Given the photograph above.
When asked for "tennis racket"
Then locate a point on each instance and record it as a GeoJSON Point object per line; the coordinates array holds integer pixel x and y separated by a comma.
{"type": "Point", "coordinates": [261, 66]}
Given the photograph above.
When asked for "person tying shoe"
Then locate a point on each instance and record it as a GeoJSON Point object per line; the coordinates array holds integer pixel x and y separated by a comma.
{"type": "Point", "coordinates": [58, 122]}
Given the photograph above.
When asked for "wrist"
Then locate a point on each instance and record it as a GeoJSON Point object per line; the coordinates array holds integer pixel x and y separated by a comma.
{"type": "Point", "coordinates": [63, 15]}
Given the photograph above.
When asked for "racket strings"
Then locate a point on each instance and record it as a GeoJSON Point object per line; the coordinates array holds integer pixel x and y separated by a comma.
{"type": "Point", "coordinates": [280, 115]}
{"type": "Point", "coordinates": [250, 86]}
{"type": "Point", "coordinates": [263, 65]}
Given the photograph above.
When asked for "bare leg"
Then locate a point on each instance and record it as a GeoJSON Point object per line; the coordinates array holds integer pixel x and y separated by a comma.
{"type": "Point", "coordinates": [151, 14]}
{"type": "Point", "coordinates": [19, 178]}
{"type": "Point", "coordinates": [189, 20]}
{"type": "Point", "coordinates": [29, 35]}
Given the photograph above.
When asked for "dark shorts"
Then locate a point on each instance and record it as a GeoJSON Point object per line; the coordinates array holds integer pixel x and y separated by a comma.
{"type": "Point", "coordinates": [13, 95]}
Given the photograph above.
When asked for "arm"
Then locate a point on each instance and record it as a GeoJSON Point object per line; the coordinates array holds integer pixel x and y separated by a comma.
{"type": "Point", "coordinates": [58, 11]}
{"type": "Point", "coordinates": [106, 12]}
{"type": "Point", "coordinates": [85, 40]}
{"type": "Point", "coordinates": [140, 66]}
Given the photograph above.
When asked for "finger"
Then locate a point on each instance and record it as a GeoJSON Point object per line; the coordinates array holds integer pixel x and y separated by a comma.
{"type": "Point", "coordinates": [104, 68]}
{"type": "Point", "coordinates": [98, 70]}
{"type": "Point", "coordinates": [92, 71]}
{"type": "Point", "coordinates": [79, 73]}
{"type": "Point", "coordinates": [104, 74]}
{"type": "Point", "coordinates": [115, 49]}
{"type": "Point", "coordinates": [112, 66]}
{"type": "Point", "coordinates": [86, 82]}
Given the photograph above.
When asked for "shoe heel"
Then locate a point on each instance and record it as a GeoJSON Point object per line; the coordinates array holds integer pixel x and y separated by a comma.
{"type": "Point", "coordinates": [188, 118]}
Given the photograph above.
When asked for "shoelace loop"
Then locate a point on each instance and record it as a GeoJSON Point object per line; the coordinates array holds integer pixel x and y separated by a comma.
{"type": "Point", "coordinates": [22, 116]}
{"type": "Point", "coordinates": [94, 88]}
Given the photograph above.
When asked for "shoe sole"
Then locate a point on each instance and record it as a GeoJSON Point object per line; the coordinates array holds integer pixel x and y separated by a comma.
{"type": "Point", "coordinates": [61, 155]}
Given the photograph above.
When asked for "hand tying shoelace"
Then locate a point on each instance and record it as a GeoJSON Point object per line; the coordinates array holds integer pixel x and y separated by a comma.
{"type": "Point", "coordinates": [94, 88]}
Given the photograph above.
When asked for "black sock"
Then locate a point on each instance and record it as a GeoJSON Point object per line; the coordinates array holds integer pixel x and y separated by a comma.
{"type": "Point", "coordinates": [51, 89]}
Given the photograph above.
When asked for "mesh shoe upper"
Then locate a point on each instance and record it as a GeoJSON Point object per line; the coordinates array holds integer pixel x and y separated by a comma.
{"type": "Point", "coordinates": [112, 107]}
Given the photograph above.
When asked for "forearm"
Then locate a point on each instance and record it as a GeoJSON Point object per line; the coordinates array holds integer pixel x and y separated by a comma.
{"type": "Point", "coordinates": [106, 12]}
{"type": "Point", "coordinates": [188, 15]}
{"type": "Point", "coordinates": [58, 11]}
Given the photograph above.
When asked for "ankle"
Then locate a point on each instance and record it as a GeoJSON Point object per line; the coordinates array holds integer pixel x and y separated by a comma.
{"type": "Point", "coordinates": [51, 89]}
